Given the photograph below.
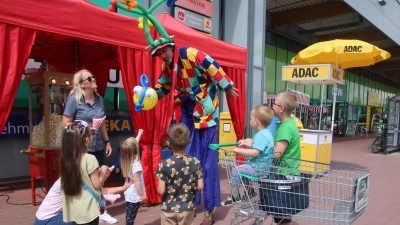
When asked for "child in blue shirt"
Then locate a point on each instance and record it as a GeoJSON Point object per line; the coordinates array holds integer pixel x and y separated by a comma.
{"type": "Point", "coordinates": [259, 151]}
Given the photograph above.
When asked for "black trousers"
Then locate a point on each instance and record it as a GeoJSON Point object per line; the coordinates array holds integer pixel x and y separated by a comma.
{"type": "Point", "coordinates": [131, 212]}
{"type": "Point", "coordinates": [93, 222]}
{"type": "Point", "coordinates": [99, 156]}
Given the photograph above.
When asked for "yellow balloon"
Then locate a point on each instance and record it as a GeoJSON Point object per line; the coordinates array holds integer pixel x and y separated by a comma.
{"type": "Point", "coordinates": [150, 98]}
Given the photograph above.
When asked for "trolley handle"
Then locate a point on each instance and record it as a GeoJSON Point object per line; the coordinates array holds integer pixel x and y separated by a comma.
{"type": "Point", "coordinates": [215, 147]}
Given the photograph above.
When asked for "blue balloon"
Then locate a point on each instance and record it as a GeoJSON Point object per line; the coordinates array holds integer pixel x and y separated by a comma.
{"type": "Point", "coordinates": [145, 83]}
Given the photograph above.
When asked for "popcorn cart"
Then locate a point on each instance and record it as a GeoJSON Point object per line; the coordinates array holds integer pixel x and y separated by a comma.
{"type": "Point", "coordinates": [48, 92]}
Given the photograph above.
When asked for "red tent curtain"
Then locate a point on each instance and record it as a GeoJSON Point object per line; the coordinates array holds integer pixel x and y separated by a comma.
{"type": "Point", "coordinates": [133, 64]}
{"type": "Point", "coordinates": [163, 117]}
{"type": "Point", "coordinates": [237, 107]}
{"type": "Point", "coordinates": [15, 45]}
{"type": "Point", "coordinates": [102, 74]}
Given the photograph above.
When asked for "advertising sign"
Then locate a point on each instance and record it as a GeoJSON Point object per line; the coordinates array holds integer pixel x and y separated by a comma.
{"type": "Point", "coordinates": [192, 19]}
{"type": "Point", "coordinates": [203, 7]}
{"type": "Point", "coordinates": [309, 74]}
{"type": "Point", "coordinates": [362, 193]}
{"type": "Point", "coordinates": [351, 128]}
{"type": "Point", "coordinates": [341, 92]}
{"type": "Point", "coordinates": [373, 98]}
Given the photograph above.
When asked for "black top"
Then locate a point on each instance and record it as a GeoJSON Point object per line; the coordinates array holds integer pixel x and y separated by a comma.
{"type": "Point", "coordinates": [180, 174]}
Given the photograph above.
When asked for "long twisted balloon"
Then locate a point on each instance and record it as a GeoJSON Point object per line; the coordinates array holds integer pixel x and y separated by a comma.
{"type": "Point", "coordinates": [134, 7]}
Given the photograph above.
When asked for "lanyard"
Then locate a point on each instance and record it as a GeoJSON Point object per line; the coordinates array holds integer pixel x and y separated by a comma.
{"type": "Point", "coordinates": [102, 202]}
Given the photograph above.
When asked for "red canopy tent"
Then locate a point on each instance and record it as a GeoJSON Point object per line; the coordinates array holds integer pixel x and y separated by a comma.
{"type": "Point", "coordinates": [75, 34]}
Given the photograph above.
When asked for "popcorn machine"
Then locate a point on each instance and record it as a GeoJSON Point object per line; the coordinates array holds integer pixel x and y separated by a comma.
{"type": "Point", "coordinates": [48, 93]}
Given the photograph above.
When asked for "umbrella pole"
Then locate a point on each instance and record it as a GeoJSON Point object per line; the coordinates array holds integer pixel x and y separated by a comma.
{"type": "Point", "coordinates": [320, 113]}
{"type": "Point", "coordinates": [334, 106]}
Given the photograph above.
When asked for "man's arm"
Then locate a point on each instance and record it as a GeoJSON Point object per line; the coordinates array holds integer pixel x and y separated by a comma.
{"type": "Point", "coordinates": [163, 87]}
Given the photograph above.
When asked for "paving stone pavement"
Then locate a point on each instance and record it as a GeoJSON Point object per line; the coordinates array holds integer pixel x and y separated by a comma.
{"type": "Point", "coordinates": [383, 206]}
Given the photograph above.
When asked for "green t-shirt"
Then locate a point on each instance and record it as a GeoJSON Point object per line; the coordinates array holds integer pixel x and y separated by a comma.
{"type": "Point", "coordinates": [289, 132]}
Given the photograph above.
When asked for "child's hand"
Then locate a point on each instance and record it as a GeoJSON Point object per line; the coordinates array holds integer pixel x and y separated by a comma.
{"type": "Point", "coordinates": [246, 142]}
{"type": "Point", "coordinates": [127, 183]}
{"type": "Point", "coordinates": [143, 198]}
{"type": "Point", "coordinates": [104, 170]}
{"type": "Point", "coordinates": [140, 132]}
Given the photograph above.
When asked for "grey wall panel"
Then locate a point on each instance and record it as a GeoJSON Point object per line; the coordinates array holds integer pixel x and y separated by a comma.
{"type": "Point", "coordinates": [386, 18]}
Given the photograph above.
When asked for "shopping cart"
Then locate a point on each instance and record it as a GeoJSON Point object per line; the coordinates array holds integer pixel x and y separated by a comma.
{"type": "Point", "coordinates": [378, 144]}
{"type": "Point", "coordinates": [330, 194]}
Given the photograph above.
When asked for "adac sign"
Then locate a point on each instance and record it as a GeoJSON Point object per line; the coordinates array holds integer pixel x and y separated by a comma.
{"type": "Point", "coordinates": [312, 74]}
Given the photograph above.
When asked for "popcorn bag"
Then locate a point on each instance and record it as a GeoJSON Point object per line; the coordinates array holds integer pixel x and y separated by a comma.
{"type": "Point", "coordinates": [97, 123]}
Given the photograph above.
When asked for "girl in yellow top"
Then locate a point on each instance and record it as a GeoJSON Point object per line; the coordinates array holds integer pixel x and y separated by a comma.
{"type": "Point", "coordinates": [79, 206]}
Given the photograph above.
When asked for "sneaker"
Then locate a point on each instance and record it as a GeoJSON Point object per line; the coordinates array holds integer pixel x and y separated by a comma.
{"type": "Point", "coordinates": [106, 218]}
{"type": "Point", "coordinates": [230, 201]}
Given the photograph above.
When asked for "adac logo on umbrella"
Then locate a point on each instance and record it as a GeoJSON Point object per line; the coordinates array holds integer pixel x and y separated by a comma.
{"type": "Point", "coordinates": [352, 48]}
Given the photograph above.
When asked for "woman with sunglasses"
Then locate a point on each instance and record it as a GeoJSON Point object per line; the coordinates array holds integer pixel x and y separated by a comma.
{"type": "Point", "coordinates": [81, 176]}
{"type": "Point", "coordinates": [85, 104]}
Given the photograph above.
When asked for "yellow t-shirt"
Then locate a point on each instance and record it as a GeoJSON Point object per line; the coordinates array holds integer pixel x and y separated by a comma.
{"type": "Point", "coordinates": [83, 208]}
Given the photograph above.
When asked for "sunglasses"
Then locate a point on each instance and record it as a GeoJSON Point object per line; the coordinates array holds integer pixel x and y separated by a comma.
{"type": "Point", "coordinates": [90, 79]}
{"type": "Point", "coordinates": [276, 104]}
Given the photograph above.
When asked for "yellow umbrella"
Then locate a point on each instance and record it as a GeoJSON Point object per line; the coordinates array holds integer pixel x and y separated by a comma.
{"type": "Point", "coordinates": [341, 53]}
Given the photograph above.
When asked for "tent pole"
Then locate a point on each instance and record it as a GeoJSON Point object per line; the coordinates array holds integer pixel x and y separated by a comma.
{"type": "Point", "coordinates": [334, 106]}
{"type": "Point", "coordinates": [320, 113]}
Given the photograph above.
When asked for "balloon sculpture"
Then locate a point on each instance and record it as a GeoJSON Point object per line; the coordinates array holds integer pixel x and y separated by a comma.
{"type": "Point", "coordinates": [147, 20]}
{"type": "Point", "coordinates": [144, 96]}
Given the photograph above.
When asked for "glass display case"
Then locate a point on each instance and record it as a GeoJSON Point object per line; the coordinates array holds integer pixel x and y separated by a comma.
{"type": "Point", "coordinates": [48, 92]}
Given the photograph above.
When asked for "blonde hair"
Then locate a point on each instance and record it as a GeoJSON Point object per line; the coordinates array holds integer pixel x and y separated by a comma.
{"type": "Point", "coordinates": [76, 85]}
{"type": "Point", "coordinates": [263, 114]}
{"type": "Point", "coordinates": [129, 154]}
{"type": "Point", "coordinates": [288, 101]}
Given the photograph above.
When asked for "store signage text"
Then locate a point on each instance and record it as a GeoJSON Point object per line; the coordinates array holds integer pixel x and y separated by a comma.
{"type": "Point", "coordinates": [17, 126]}
{"type": "Point", "coordinates": [193, 20]}
{"type": "Point", "coordinates": [341, 92]}
{"type": "Point", "coordinates": [203, 7]}
{"type": "Point", "coordinates": [305, 72]}
{"type": "Point", "coordinates": [352, 49]}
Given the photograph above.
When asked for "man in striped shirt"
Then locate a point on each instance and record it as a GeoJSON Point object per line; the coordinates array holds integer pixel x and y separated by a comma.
{"type": "Point", "coordinates": [199, 78]}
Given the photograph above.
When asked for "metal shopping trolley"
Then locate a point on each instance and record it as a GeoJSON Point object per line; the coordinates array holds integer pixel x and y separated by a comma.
{"type": "Point", "coordinates": [290, 189]}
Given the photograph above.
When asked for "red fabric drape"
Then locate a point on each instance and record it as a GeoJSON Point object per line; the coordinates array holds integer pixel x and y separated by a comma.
{"type": "Point", "coordinates": [102, 74]}
{"type": "Point", "coordinates": [163, 117]}
{"type": "Point", "coordinates": [133, 64]}
{"type": "Point", "coordinates": [15, 45]}
{"type": "Point", "coordinates": [237, 107]}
